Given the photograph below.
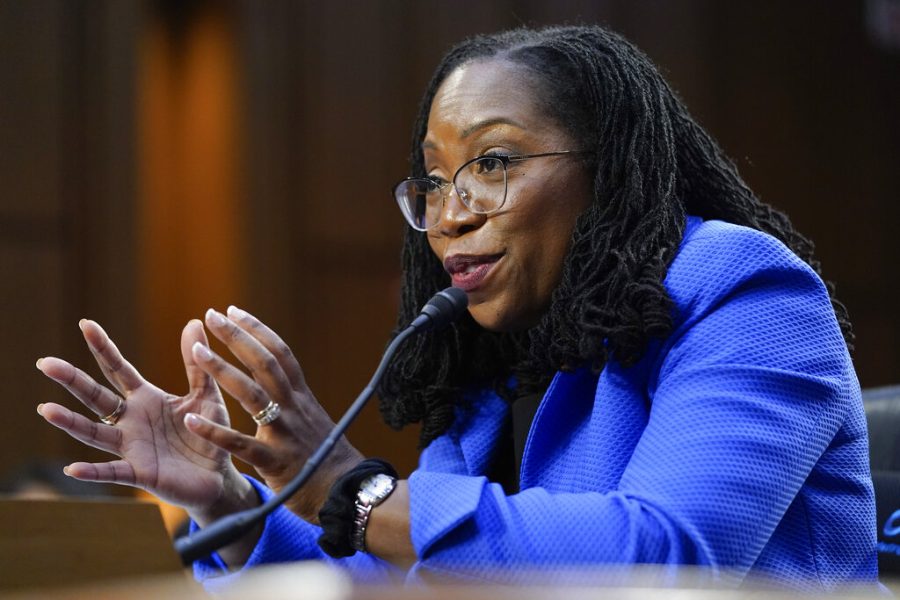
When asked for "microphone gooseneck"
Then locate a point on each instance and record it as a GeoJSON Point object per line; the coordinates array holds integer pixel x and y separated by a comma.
{"type": "Point", "coordinates": [441, 310]}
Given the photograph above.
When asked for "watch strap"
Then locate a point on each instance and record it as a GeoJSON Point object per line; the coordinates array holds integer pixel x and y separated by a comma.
{"type": "Point", "coordinates": [374, 490]}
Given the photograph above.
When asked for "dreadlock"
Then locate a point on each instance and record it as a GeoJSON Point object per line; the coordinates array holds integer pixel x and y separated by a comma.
{"type": "Point", "coordinates": [653, 165]}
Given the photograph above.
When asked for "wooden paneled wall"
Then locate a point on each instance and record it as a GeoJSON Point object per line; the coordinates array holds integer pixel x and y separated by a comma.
{"type": "Point", "coordinates": [67, 198]}
{"type": "Point", "coordinates": [157, 158]}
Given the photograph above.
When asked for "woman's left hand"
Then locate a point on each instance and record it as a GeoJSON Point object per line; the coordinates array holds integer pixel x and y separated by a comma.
{"type": "Point", "coordinates": [280, 448]}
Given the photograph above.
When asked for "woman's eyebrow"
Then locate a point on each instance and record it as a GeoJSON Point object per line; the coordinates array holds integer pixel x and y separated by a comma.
{"type": "Point", "coordinates": [489, 123]}
{"type": "Point", "coordinates": [429, 145]}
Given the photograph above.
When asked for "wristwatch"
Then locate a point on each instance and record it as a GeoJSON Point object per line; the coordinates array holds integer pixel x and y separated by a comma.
{"type": "Point", "coordinates": [372, 492]}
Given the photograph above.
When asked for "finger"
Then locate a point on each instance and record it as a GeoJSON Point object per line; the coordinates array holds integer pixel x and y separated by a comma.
{"type": "Point", "coordinates": [234, 381]}
{"type": "Point", "coordinates": [92, 433]}
{"type": "Point", "coordinates": [199, 381]}
{"type": "Point", "coordinates": [116, 369]}
{"type": "Point", "coordinates": [245, 447]}
{"type": "Point", "coordinates": [261, 363]}
{"type": "Point", "coordinates": [272, 342]}
{"type": "Point", "coordinates": [94, 396]}
{"type": "Point", "coordinates": [116, 471]}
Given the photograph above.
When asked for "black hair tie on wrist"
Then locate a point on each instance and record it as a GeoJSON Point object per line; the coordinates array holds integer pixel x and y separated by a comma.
{"type": "Point", "coordinates": [336, 515]}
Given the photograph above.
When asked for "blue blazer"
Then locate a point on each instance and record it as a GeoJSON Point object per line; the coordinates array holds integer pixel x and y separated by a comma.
{"type": "Point", "coordinates": [737, 444]}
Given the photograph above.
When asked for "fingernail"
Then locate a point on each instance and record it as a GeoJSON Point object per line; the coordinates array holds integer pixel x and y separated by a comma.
{"type": "Point", "coordinates": [66, 470]}
{"type": "Point", "coordinates": [40, 407]}
{"type": "Point", "coordinates": [191, 420]}
{"type": "Point", "coordinates": [236, 313]}
{"type": "Point", "coordinates": [201, 352]}
{"type": "Point", "coordinates": [81, 324]}
{"type": "Point", "coordinates": [215, 318]}
{"type": "Point", "coordinates": [38, 363]}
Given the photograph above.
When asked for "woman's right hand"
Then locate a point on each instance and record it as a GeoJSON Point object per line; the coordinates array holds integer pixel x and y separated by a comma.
{"type": "Point", "coordinates": [156, 451]}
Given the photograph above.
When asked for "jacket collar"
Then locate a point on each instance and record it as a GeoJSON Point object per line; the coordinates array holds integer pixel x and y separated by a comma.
{"type": "Point", "coordinates": [474, 436]}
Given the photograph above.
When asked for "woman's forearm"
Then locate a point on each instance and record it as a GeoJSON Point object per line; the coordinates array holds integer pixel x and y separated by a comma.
{"type": "Point", "coordinates": [387, 533]}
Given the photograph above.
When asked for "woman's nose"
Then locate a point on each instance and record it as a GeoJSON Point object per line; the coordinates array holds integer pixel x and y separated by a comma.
{"type": "Point", "coordinates": [455, 218]}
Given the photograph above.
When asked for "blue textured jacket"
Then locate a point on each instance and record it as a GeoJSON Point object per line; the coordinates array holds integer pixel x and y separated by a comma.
{"type": "Point", "coordinates": [738, 443]}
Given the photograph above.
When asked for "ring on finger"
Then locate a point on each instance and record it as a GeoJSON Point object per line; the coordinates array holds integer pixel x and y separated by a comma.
{"type": "Point", "coordinates": [113, 417]}
{"type": "Point", "coordinates": [271, 412]}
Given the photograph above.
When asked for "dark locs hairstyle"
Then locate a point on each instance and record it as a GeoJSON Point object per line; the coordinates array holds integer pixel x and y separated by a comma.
{"type": "Point", "coordinates": [652, 165]}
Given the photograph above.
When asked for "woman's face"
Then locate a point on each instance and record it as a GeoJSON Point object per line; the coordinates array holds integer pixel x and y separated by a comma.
{"type": "Point", "coordinates": [510, 261]}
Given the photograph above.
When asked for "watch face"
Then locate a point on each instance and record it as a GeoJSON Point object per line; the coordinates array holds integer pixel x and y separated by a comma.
{"type": "Point", "coordinates": [376, 488]}
{"type": "Point", "coordinates": [381, 484]}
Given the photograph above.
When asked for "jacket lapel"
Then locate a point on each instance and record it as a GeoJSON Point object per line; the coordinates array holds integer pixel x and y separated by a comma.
{"type": "Point", "coordinates": [565, 407]}
{"type": "Point", "coordinates": [479, 437]}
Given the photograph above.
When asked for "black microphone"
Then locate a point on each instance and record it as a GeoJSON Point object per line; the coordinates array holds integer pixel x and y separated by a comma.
{"type": "Point", "coordinates": [444, 307]}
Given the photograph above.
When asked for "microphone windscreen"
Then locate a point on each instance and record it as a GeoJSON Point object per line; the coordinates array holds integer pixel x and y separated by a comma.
{"type": "Point", "coordinates": [444, 307]}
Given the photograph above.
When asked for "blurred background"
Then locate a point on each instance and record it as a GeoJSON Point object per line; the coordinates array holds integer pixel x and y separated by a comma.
{"type": "Point", "coordinates": [161, 157]}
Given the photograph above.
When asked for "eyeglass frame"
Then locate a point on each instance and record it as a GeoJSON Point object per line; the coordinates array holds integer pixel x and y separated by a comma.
{"type": "Point", "coordinates": [504, 159]}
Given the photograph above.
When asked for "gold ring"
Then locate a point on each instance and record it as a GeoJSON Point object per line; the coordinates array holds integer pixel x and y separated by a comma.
{"type": "Point", "coordinates": [113, 417]}
{"type": "Point", "coordinates": [271, 412]}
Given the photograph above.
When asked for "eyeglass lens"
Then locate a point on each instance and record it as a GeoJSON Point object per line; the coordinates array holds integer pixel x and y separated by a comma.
{"type": "Point", "coordinates": [480, 185]}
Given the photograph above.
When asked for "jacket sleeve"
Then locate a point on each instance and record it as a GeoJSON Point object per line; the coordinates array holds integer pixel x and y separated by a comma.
{"type": "Point", "coordinates": [287, 538]}
{"type": "Point", "coordinates": [745, 396]}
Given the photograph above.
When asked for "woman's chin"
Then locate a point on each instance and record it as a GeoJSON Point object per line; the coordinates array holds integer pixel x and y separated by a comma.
{"type": "Point", "coordinates": [500, 319]}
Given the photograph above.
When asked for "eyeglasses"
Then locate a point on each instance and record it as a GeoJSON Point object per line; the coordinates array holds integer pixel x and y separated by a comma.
{"type": "Point", "coordinates": [480, 183]}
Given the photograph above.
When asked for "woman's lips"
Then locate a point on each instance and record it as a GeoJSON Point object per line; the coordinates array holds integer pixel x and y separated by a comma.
{"type": "Point", "coordinates": [468, 271]}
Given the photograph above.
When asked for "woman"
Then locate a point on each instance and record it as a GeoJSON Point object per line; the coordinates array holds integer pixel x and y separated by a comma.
{"type": "Point", "coordinates": [650, 371]}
